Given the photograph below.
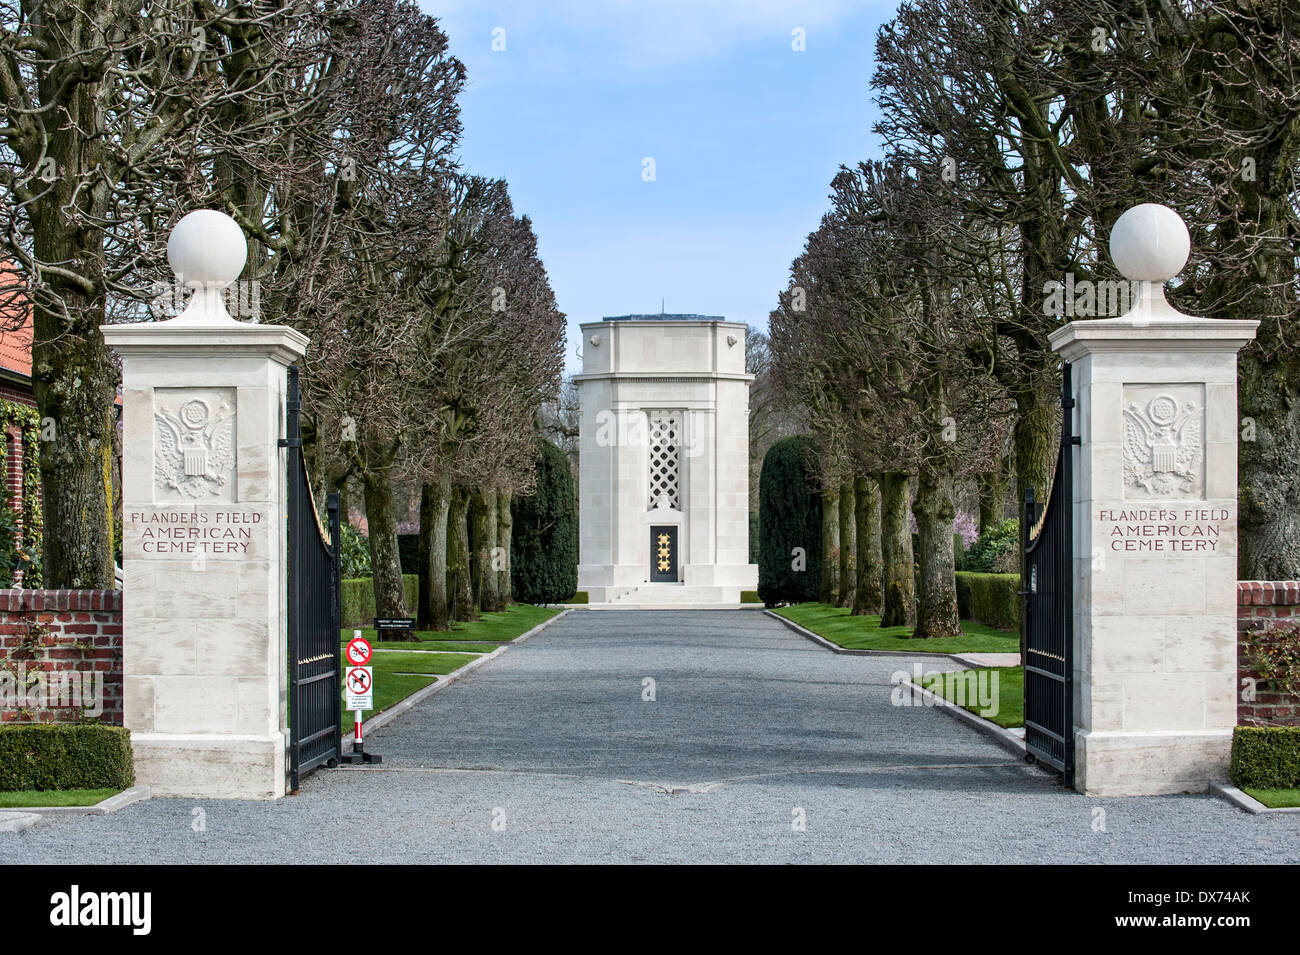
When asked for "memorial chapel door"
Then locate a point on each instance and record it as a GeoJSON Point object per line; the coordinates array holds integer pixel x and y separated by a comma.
{"type": "Point", "coordinates": [663, 553]}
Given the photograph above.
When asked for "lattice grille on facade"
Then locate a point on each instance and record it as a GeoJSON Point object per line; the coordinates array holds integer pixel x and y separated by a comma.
{"type": "Point", "coordinates": [665, 460]}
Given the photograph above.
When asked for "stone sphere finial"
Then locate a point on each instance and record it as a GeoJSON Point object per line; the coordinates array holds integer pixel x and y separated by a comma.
{"type": "Point", "coordinates": [207, 249]}
{"type": "Point", "coordinates": [1150, 243]}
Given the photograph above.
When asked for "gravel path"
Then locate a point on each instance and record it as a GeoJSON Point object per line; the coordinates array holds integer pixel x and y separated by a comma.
{"type": "Point", "coordinates": [550, 754]}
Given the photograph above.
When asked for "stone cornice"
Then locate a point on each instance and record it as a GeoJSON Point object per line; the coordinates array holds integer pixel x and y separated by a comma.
{"type": "Point", "coordinates": [163, 339]}
{"type": "Point", "coordinates": [680, 376]}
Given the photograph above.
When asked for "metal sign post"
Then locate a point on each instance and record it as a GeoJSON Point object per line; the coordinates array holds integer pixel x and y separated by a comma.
{"type": "Point", "coordinates": [359, 685]}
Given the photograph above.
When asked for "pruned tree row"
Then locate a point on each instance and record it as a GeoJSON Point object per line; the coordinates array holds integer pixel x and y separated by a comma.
{"type": "Point", "coordinates": [913, 331]}
{"type": "Point", "coordinates": [329, 131]}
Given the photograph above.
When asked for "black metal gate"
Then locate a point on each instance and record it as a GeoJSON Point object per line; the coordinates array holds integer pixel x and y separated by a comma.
{"type": "Point", "coordinates": [315, 657]}
{"type": "Point", "coordinates": [1047, 538]}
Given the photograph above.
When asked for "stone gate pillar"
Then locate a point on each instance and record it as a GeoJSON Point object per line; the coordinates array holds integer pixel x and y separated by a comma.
{"type": "Point", "coordinates": [203, 532]}
{"type": "Point", "coordinates": [1155, 518]}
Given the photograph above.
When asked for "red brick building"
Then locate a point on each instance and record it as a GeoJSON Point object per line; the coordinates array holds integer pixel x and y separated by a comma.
{"type": "Point", "coordinates": [16, 387]}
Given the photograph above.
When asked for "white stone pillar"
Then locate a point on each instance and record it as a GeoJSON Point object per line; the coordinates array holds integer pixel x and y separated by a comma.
{"type": "Point", "coordinates": [1155, 528]}
{"type": "Point", "coordinates": [203, 528]}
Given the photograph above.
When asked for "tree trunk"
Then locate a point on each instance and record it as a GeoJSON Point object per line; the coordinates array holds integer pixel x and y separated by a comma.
{"type": "Point", "coordinates": [72, 382]}
{"type": "Point", "coordinates": [385, 564]}
{"type": "Point", "coordinates": [992, 498]}
{"type": "Point", "coordinates": [866, 512]}
{"type": "Point", "coordinates": [1035, 424]}
{"type": "Point", "coordinates": [483, 518]}
{"type": "Point", "coordinates": [505, 526]}
{"type": "Point", "coordinates": [72, 377]}
{"type": "Point", "coordinates": [435, 500]}
{"type": "Point", "coordinates": [830, 584]}
{"type": "Point", "coordinates": [936, 603]}
{"type": "Point", "coordinates": [848, 547]}
{"type": "Point", "coordinates": [899, 603]}
{"type": "Point", "coordinates": [462, 591]}
{"type": "Point", "coordinates": [1269, 495]}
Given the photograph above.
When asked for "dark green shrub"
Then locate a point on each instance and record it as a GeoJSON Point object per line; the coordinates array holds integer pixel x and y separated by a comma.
{"type": "Point", "coordinates": [354, 553]}
{"type": "Point", "coordinates": [51, 756]}
{"type": "Point", "coordinates": [750, 597]}
{"type": "Point", "coordinates": [1266, 757]}
{"type": "Point", "coordinates": [357, 599]}
{"type": "Point", "coordinates": [790, 516]}
{"type": "Point", "coordinates": [13, 558]}
{"type": "Point", "coordinates": [997, 550]}
{"type": "Point", "coordinates": [544, 537]}
{"type": "Point", "coordinates": [992, 599]}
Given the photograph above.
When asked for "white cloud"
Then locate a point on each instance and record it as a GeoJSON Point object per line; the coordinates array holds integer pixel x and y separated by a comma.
{"type": "Point", "coordinates": [596, 36]}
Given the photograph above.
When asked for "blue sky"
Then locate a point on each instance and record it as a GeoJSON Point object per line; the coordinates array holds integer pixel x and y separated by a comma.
{"type": "Point", "coordinates": [745, 134]}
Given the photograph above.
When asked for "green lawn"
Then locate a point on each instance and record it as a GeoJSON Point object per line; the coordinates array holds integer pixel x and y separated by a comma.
{"type": "Point", "coordinates": [427, 643]}
{"type": "Point", "coordinates": [438, 663]}
{"type": "Point", "coordinates": [1008, 698]}
{"type": "Point", "coordinates": [472, 637]}
{"type": "Point", "coordinates": [1276, 798]}
{"type": "Point", "coordinates": [865, 633]}
{"type": "Point", "coordinates": [389, 689]}
{"type": "Point", "coordinates": [393, 682]}
{"type": "Point", "coordinates": [54, 797]}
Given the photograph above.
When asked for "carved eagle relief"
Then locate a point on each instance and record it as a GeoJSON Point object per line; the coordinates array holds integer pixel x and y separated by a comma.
{"type": "Point", "coordinates": [195, 448]}
{"type": "Point", "coordinates": [1163, 446]}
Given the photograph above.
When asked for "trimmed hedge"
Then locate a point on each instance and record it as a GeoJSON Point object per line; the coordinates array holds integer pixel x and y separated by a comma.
{"type": "Point", "coordinates": [1266, 757]}
{"type": "Point", "coordinates": [544, 537]}
{"type": "Point", "coordinates": [790, 516]}
{"type": "Point", "coordinates": [358, 599]}
{"type": "Point", "coordinates": [991, 599]}
{"type": "Point", "coordinates": [750, 597]}
{"type": "Point", "coordinates": [49, 756]}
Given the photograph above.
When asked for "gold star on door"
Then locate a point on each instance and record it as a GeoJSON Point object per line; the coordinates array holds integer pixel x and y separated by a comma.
{"type": "Point", "coordinates": [664, 554]}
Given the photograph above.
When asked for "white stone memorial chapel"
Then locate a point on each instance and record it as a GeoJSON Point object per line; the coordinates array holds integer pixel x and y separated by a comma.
{"type": "Point", "coordinates": [664, 469]}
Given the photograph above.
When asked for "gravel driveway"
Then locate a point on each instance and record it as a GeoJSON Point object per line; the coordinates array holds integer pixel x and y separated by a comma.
{"type": "Point", "coordinates": [758, 746]}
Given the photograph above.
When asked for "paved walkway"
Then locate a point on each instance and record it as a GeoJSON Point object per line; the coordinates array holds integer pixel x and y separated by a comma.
{"type": "Point", "coordinates": [752, 730]}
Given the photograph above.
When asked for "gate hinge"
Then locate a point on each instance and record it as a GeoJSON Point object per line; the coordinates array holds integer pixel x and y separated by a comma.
{"type": "Point", "coordinates": [1075, 439]}
{"type": "Point", "coordinates": [290, 442]}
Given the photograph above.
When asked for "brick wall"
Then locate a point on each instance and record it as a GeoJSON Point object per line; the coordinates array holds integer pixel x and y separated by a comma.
{"type": "Point", "coordinates": [18, 394]}
{"type": "Point", "coordinates": [13, 438]}
{"type": "Point", "coordinates": [1261, 605]}
{"type": "Point", "coordinates": [61, 656]}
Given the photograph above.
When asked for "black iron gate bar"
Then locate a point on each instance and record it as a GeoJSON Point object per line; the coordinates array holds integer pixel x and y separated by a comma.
{"type": "Point", "coordinates": [1047, 540]}
{"type": "Point", "coordinates": [315, 657]}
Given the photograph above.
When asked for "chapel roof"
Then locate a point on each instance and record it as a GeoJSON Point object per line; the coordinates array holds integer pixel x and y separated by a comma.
{"type": "Point", "coordinates": [665, 317]}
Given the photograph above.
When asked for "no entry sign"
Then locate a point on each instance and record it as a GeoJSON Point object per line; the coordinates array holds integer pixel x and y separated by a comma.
{"type": "Point", "coordinates": [360, 685]}
{"type": "Point", "coordinates": [358, 652]}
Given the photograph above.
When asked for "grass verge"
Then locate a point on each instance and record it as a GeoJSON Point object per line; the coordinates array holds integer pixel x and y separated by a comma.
{"type": "Point", "coordinates": [998, 697]}
{"type": "Point", "coordinates": [865, 633]}
{"type": "Point", "coordinates": [428, 643]}
{"type": "Point", "coordinates": [54, 797]}
{"type": "Point", "coordinates": [479, 636]}
{"type": "Point", "coordinates": [1276, 798]}
{"type": "Point", "coordinates": [398, 675]}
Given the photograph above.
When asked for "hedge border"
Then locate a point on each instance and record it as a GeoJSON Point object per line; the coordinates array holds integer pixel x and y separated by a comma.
{"type": "Point", "coordinates": [991, 599]}
{"type": "Point", "coordinates": [357, 599]}
{"type": "Point", "coordinates": [54, 756]}
{"type": "Point", "coordinates": [1266, 757]}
